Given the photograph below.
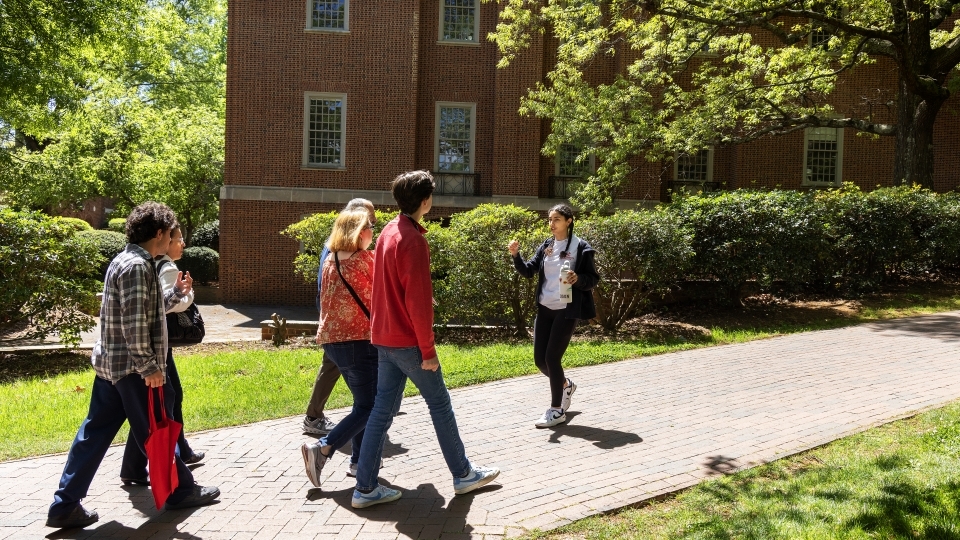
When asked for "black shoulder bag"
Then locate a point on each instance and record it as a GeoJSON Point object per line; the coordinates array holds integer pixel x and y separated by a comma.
{"type": "Point", "coordinates": [353, 293]}
{"type": "Point", "coordinates": [184, 328]}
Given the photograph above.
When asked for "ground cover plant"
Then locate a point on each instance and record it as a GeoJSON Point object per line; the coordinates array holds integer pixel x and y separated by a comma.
{"type": "Point", "coordinates": [901, 480]}
{"type": "Point", "coordinates": [44, 396]}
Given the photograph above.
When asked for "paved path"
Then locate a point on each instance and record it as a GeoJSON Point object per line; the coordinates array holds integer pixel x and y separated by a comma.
{"type": "Point", "coordinates": [639, 428]}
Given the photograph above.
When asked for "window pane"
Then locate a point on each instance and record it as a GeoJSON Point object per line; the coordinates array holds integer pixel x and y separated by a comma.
{"type": "Point", "coordinates": [325, 132]}
{"type": "Point", "coordinates": [329, 14]}
{"type": "Point", "coordinates": [454, 137]}
{"type": "Point", "coordinates": [822, 155]}
{"type": "Point", "coordinates": [458, 20]}
{"type": "Point", "coordinates": [694, 167]}
{"type": "Point", "coordinates": [567, 164]}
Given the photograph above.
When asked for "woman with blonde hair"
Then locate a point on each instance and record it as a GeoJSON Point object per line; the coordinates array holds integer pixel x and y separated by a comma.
{"type": "Point", "coordinates": [344, 333]}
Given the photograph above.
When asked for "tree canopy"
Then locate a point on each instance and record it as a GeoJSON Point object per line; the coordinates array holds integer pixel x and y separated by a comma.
{"type": "Point", "coordinates": [695, 73]}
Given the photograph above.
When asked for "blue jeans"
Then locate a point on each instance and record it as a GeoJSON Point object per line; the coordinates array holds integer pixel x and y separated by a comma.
{"type": "Point", "coordinates": [396, 366]}
{"type": "Point", "coordinates": [110, 405]}
{"type": "Point", "coordinates": [357, 361]}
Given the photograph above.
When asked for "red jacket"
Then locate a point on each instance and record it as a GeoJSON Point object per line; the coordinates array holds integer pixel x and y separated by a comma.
{"type": "Point", "coordinates": [401, 311]}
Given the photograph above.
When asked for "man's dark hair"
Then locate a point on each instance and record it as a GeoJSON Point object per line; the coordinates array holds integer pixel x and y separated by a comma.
{"type": "Point", "coordinates": [412, 188]}
{"type": "Point", "coordinates": [148, 218]}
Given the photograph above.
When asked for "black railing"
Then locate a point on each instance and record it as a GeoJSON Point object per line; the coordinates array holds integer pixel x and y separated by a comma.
{"type": "Point", "coordinates": [562, 187]}
{"type": "Point", "coordinates": [692, 186]}
{"type": "Point", "coordinates": [455, 183]}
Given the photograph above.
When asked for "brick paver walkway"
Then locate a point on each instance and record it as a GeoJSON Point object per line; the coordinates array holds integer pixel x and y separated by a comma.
{"type": "Point", "coordinates": [639, 428]}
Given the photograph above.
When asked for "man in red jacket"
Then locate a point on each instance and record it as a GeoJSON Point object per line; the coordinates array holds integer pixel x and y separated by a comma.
{"type": "Point", "coordinates": [401, 319]}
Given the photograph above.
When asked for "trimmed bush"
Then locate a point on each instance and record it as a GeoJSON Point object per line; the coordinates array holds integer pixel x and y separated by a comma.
{"type": "Point", "coordinates": [44, 268]}
{"type": "Point", "coordinates": [108, 243]}
{"type": "Point", "coordinates": [481, 285]}
{"type": "Point", "coordinates": [745, 235]}
{"type": "Point", "coordinates": [118, 225]}
{"type": "Point", "coordinates": [639, 254]}
{"type": "Point", "coordinates": [313, 231]}
{"type": "Point", "coordinates": [207, 235]}
{"type": "Point", "coordinates": [76, 224]}
{"type": "Point", "coordinates": [203, 264]}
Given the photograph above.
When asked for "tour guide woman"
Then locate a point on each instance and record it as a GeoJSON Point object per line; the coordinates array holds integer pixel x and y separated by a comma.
{"type": "Point", "coordinates": [556, 316]}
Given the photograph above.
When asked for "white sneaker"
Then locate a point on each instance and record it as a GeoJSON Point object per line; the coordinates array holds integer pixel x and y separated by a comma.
{"type": "Point", "coordinates": [478, 477]}
{"type": "Point", "coordinates": [313, 461]}
{"type": "Point", "coordinates": [567, 394]}
{"type": "Point", "coordinates": [352, 471]}
{"type": "Point", "coordinates": [551, 418]}
{"type": "Point", "coordinates": [380, 495]}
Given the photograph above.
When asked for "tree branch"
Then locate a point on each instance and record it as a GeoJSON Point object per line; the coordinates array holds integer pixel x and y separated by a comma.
{"type": "Point", "coordinates": [938, 14]}
{"type": "Point", "coordinates": [946, 57]}
{"type": "Point", "coordinates": [841, 25]}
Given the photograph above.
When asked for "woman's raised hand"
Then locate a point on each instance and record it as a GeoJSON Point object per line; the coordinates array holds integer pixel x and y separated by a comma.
{"type": "Point", "coordinates": [514, 247]}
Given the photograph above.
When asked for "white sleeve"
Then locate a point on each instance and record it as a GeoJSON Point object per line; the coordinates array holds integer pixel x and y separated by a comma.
{"type": "Point", "coordinates": [168, 280]}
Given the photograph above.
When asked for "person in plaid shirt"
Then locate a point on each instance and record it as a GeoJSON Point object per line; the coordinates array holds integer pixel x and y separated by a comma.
{"type": "Point", "coordinates": [128, 360]}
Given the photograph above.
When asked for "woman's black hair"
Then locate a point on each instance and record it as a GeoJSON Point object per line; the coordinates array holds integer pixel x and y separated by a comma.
{"type": "Point", "coordinates": [567, 213]}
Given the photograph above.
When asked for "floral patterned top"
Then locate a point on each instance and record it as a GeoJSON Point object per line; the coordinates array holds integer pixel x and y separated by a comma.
{"type": "Point", "coordinates": [341, 319]}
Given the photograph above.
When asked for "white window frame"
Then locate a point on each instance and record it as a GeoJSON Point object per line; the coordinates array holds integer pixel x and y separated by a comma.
{"type": "Point", "coordinates": [676, 166]}
{"type": "Point", "coordinates": [307, 96]}
{"type": "Point", "coordinates": [839, 169]}
{"type": "Point", "coordinates": [473, 134]}
{"type": "Point", "coordinates": [810, 44]}
{"type": "Point", "coordinates": [591, 166]}
{"type": "Point", "coordinates": [476, 28]}
{"type": "Point", "coordinates": [346, 20]}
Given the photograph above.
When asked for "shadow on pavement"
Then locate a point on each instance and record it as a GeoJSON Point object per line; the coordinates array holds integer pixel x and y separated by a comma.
{"type": "Point", "coordinates": [945, 327]}
{"type": "Point", "coordinates": [156, 527]}
{"type": "Point", "coordinates": [606, 439]}
{"type": "Point", "coordinates": [721, 465]}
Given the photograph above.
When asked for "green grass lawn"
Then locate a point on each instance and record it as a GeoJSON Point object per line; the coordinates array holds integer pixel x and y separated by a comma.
{"type": "Point", "coordinates": [41, 413]}
{"type": "Point", "coordinates": [901, 480]}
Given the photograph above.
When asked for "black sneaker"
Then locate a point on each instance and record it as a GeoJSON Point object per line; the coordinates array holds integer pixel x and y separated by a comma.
{"type": "Point", "coordinates": [200, 496]}
{"type": "Point", "coordinates": [145, 481]}
{"type": "Point", "coordinates": [78, 517]}
{"type": "Point", "coordinates": [195, 458]}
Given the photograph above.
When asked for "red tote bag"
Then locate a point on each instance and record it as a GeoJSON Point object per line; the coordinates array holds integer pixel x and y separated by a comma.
{"type": "Point", "coordinates": [161, 447]}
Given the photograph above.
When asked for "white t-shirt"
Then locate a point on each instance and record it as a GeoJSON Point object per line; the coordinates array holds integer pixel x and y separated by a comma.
{"type": "Point", "coordinates": [552, 263]}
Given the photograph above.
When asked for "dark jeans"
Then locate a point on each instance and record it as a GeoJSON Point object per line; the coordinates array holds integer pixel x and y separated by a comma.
{"type": "Point", "coordinates": [110, 405]}
{"type": "Point", "coordinates": [396, 366]}
{"type": "Point", "coordinates": [357, 361]}
{"type": "Point", "coordinates": [134, 464]}
{"type": "Point", "coordinates": [326, 379]}
{"type": "Point", "coordinates": [551, 336]}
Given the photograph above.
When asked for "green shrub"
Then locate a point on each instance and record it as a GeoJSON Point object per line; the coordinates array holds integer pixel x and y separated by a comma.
{"type": "Point", "coordinates": [76, 224]}
{"type": "Point", "coordinates": [108, 243]}
{"type": "Point", "coordinates": [203, 264]}
{"type": "Point", "coordinates": [885, 232]}
{"type": "Point", "coordinates": [746, 235]}
{"type": "Point", "coordinates": [44, 270]}
{"type": "Point", "coordinates": [481, 285]}
{"type": "Point", "coordinates": [313, 231]}
{"type": "Point", "coordinates": [118, 225]}
{"type": "Point", "coordinates": [207, 235]}
{"type": "Point", "coordinates": [639, 254]}
{"type": "Point", "coordinates": [942, 238]}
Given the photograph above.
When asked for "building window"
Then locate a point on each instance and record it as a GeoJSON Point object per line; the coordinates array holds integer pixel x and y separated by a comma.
{"type": "Point", "coordinates": [697, 167]}
{"type": "Point", "coordinates": [323, 130]}
{"type": "Point", "coordinates": [456, 131]}
{"type": "Point", "coordinates": [823, 156]}
{"type": "Point", "coordinates": [459, 21]}
{"type": "Point", "coordinates": [567, 164]}
{"type": "Point", "coordinates": [333, 16]}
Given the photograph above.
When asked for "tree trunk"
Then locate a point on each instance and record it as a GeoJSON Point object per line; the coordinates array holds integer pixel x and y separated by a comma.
{"type": "Point", "coordinates": [913, 158]}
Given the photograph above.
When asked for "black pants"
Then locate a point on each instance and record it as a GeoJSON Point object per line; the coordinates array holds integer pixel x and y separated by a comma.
{"type": "Point", "coordinates": [110, 405]}
{"type": "Point", "coordinates": [134, 463]}
{"type": "Point", "coordinates": [327, 378]}
{"type": "Point", "coordinates": [551, 336]}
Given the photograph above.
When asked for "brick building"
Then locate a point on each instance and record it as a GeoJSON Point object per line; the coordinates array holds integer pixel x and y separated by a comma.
{"type": "Point", "coordinates": [329, 100]}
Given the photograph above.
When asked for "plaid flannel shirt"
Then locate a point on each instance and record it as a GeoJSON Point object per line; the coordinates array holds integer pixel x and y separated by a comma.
{"type": "Point", "coordinates": [133, 328]}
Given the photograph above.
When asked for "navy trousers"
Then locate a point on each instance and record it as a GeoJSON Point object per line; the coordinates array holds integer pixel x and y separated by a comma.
{"type": "Point", "coordinates": [110, 405]}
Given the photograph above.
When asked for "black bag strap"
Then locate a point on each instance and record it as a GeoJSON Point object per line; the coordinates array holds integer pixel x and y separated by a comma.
{"type": "Point", "coordinates": [353, 293]}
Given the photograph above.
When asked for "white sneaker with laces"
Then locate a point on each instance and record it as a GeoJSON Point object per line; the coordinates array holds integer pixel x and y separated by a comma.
{"type": "Point", "coordinates": [318, 426]}
{"type": "Point", "coordinates": [476, 479]}
{"type": "Point", "coordinates": [567, 394]}
{"type": "Point", "coordinates": [379, 495]}
{"type": "Point", "coordinates": [313, 461]}
{"type": "Point", "coordinates": [551, 418]}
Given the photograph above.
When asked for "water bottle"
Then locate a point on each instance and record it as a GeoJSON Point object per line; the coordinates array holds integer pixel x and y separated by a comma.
{"type": "Point", "coordinates": [566, 289]}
